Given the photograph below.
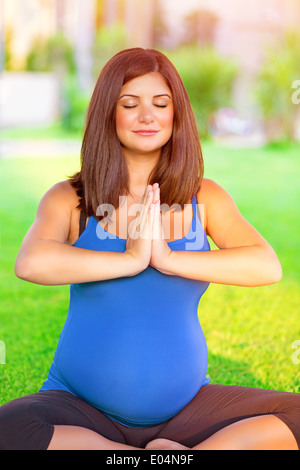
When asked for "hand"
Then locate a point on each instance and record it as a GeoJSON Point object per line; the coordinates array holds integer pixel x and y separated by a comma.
{"type": "Point", "coordinates": [139, 240]}
{"type": "Point", "coordinates": [160, 251]}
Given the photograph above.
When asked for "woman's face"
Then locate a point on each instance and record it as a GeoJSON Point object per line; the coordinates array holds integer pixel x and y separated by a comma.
{"type": "Point", "coordinates": [144, 114]}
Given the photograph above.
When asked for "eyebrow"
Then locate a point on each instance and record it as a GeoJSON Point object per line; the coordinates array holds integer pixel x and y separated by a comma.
{"type": "Point", "coordinates": [135, 96]}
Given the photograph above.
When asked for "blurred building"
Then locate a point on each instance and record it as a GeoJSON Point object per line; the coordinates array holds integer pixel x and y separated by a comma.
{"type": "Point", "coordinates": [241, 28]}
{"type": "Point", "coordinates": [22, 22]}
{"type": "Point", "coordinates": [27, 20]}
{"type": "Point", "coordinates": [237, 28]}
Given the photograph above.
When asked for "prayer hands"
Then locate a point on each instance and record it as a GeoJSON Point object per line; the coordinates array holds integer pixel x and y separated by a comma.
{"type": "Point", "coordinates": [146, 242]}
{"type": "Point", "coordinates": [160, 250]}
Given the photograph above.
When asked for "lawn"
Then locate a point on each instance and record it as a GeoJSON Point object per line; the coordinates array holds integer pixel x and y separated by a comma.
{"type": "Point", "coordinates": [249, 331]}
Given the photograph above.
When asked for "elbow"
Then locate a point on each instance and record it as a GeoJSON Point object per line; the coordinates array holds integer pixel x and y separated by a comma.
{"type": "Point", "coordinates": [23, 268]}
{"type": "Point", "coordinates": [277, 273]}
{"type": "Point", "coordinates": [274, 271]}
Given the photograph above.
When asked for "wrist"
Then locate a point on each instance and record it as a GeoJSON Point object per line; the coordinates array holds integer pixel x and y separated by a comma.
{"type": "Point", "coordinates": [168, 265]}
{"type": "Point", "coordinates": [133, 267]}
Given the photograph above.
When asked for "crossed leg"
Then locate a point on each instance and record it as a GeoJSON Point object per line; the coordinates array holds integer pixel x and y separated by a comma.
{"type": "Point", "coordinates": [258, 433]}
{"type": "Point", "coordinates": [265, 432]}
{"type": "Point", "coordinates": [229, 417]}
{"type": "Point", "coordinates": [218, 417]}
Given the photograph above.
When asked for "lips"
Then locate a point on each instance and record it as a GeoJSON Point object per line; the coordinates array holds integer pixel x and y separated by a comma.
{"type": "Point", "coordinates": [146, 132]}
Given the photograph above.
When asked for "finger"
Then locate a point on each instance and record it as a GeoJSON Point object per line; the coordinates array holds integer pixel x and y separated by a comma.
{"type": "Point", "coordinates": [138, 223]}
{"type": "Point", "coordinates": [145, 195]}
{"type": "Point", "coordinates": [143, 218]}
{"type": "Point", "coordinates": [149, 226]}
{"type": "Point", "coordinates": [156, 228]}
{"type": "Point", "coordinates": [156, 192]}
{"type": "Point", "coordinates": [146, 222]}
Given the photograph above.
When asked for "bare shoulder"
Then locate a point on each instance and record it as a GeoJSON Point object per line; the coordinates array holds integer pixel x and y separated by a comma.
{"type": "Point", "coordinates": [63, 189]}
{"type": "Point", "coordinates": [209, 190]}
{"type": "Point", "coordinates": [209, 194]}
{"type": "Point", "coordinates": [61, 195]}
{"type": "Point", "coordinates": [213, 196]}
{"type": "Point", "coordinates": [55, 213]}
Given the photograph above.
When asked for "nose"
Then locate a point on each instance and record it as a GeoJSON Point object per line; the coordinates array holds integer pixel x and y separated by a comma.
{"type": "Point", "coordinates": [146, 114]}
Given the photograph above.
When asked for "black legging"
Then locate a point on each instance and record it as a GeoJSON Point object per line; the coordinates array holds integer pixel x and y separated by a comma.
{"type": "Point", "coordinates": [27, 423]}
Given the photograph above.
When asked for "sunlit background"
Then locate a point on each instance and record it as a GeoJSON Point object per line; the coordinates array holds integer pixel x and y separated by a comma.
{"type": "Point", "coordinates": [240, 63]}
{"type": "Point", "coordinates": [239, 60]}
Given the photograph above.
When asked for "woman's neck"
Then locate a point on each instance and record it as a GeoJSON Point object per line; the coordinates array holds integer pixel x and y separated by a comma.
{"type": "Point", "coordinates": [139, 168]}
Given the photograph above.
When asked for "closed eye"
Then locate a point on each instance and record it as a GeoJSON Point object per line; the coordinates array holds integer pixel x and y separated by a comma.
{"type": "Point", "coordinates": [135, 105]}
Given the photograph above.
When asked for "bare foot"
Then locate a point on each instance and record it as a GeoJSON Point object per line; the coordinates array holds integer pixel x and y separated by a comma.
{"type": "Point", "coordinates": [164, 444]}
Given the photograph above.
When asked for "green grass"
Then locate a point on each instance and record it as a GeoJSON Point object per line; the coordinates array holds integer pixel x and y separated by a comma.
{"type": "Point", "coordinates": [54, 131]}
{"type": "Point", "coordinates": [249, 331]}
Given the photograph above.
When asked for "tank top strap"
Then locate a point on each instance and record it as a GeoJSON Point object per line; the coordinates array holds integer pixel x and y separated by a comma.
{"type": "Point", "coordinates": [194, 205]}
{"type": "Point", "coordinates": [82, 222]}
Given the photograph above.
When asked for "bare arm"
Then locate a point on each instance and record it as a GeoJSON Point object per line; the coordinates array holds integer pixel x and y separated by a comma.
{"type": "Point", "coordinates": [46, 258]}
{"type": "Point", "coordinates": [244, 257]}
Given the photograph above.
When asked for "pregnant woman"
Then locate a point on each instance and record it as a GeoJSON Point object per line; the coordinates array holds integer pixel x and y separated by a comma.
{"type": "Point", "coordinates": [128, 232]}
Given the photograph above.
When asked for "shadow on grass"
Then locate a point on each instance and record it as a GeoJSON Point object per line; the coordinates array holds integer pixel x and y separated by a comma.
{"type": "Point", "coordinates": [225, 371]}
{"type": "Point", "coordinates": [221, 370]}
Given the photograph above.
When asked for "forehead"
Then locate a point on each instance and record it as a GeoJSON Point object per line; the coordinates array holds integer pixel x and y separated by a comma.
{"type": "Point", "coordinates": [150, 83]}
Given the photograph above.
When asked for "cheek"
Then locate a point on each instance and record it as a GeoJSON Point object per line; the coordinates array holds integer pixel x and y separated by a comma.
{"type": "Point", "coordinates": [168, 121]}
{"type": "Point", "coordinates": [120, 121]}
{"type": "Point", "coordinates": [124, 124]}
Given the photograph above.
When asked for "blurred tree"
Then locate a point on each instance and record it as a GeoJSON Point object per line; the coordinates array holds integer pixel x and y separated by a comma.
{"type": "Point", "coordinates": [54, 54]}
{"type": "Point", "coordinates": [84, 39]}
{"type": "Point", "coordinates": [7, 52]}
{"type": "Point", "coordinates": [273, 89]}
{"type": "Point", "coordinates": [208, 79]}
{"type": "Point", "coordinates": [159, 25]}
{"type": "Point", "coordinates": [74, 105]}
{"type": "Point", "coordinates": [200, 27]}
{"type": "Point", "coordinates": [108, 41]}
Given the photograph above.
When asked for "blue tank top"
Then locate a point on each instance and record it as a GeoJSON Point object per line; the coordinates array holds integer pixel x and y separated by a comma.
{"type": "Point", "coordinates": [133, 346]}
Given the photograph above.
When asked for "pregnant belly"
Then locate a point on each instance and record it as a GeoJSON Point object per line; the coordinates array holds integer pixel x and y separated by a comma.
{"type": "Point", "coordinates": [136, 375]}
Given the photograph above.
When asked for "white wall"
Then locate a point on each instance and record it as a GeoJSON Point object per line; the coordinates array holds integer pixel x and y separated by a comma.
{"type": "Point", "coordinates": [28, 99]}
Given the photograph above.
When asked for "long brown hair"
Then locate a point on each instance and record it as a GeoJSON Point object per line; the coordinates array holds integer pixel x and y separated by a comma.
{"type": "Point", "coordinates": [103, 176]}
